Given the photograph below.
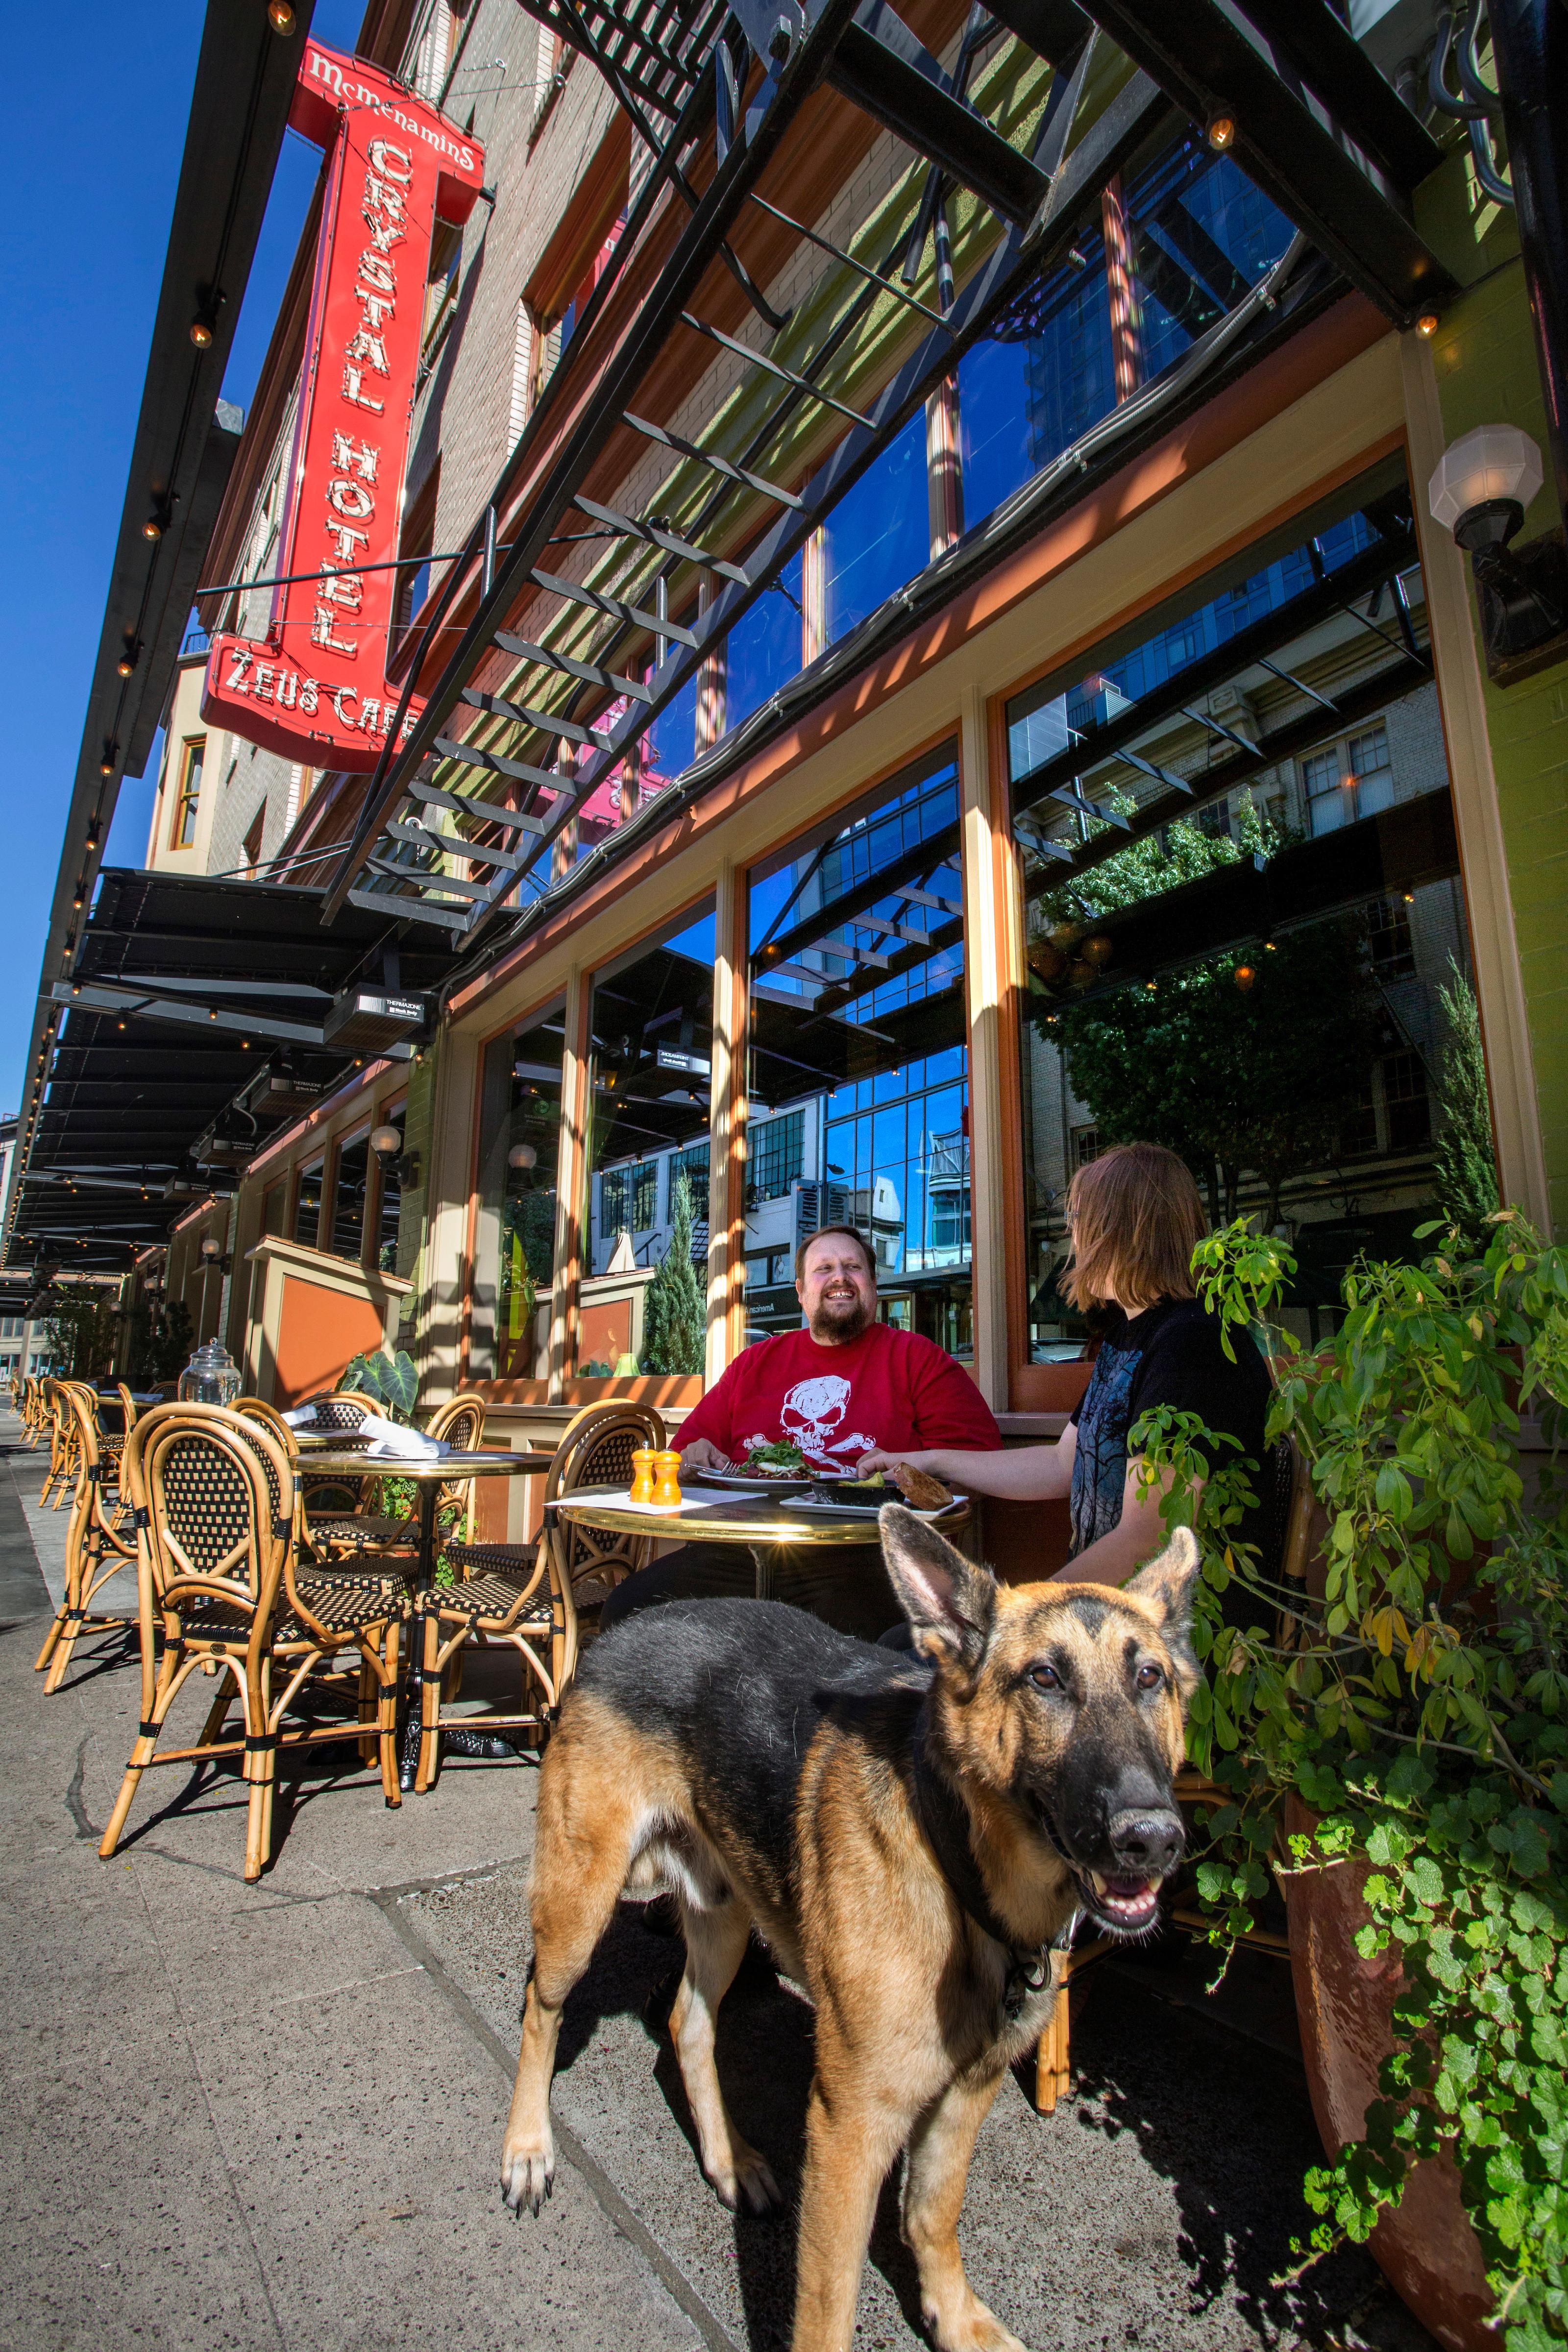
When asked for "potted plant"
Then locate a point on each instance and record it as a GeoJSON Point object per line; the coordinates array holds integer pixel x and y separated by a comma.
{"type": "Point", "coordinates": [1391, 1736]}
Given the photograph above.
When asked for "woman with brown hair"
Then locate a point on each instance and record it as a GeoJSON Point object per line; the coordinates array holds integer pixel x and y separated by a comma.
{"type": "Point", "coordinates": [1135, 1219]}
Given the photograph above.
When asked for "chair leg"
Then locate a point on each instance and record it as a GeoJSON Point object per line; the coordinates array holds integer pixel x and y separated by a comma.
{"type": "Point", "coordinates": [1052, 2060]}
{"type": "Point", "coordinates": [146, 1740]}
{"type": "Point", "coordinates": [387, 1720]}
{"type": "Point", "coordinates": [52, 1637]}
{"type": "Point", "coordinates": [73, 1619]}
{"type": "Point", "coordinates": [260, 1770]}
{"type": "Point", "coordinates": [369, 1709]}
{"type": "Point", "coordinates": [430, 1680]}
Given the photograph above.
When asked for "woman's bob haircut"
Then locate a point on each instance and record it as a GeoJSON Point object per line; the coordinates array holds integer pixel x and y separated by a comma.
{"type": "Point", "coordinates": [1136, 1219]}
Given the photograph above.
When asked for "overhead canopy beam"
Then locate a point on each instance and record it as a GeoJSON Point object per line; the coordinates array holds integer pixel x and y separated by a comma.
{"type": "Point", "coordinates": [1203, 60]}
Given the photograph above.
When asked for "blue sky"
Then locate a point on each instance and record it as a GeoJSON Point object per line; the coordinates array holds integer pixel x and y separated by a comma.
{"type": "Point", "coordinates": [88, 172]}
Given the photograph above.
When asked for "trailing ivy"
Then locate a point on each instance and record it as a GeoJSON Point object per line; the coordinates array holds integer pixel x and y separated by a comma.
{"type": "Point", "coordinates": [1418, 1706]}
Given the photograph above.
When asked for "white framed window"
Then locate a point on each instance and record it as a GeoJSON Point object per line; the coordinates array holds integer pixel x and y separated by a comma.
{"type": "Point", "coordinates": [1348, 781]}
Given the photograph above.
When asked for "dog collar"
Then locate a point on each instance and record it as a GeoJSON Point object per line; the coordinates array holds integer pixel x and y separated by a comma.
{"type": "Point", "coordinates": [942, 1817]}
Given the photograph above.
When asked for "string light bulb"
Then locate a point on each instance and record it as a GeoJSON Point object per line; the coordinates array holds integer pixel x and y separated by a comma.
{"type": "Point", "coordinates": [202, 333]}
{"type": "Point", "coordinates": [1426, 325]}
{"type": "Point", "coordinates": [280, 16]}
{"type": "Point", "coordinates": [1220, 132]}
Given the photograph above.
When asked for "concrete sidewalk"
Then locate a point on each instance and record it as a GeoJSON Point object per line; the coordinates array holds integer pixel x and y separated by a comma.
{"type": "Point", "coordinates": [252, 2117]}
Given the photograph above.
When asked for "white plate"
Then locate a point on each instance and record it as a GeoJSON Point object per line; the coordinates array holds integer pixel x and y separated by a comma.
{"type": "Point", "coordinates": [821, 1502]}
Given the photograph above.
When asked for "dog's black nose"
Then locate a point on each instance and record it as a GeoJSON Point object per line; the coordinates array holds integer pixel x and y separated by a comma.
{"type": "Point", "coordinates": [1147, 1840]}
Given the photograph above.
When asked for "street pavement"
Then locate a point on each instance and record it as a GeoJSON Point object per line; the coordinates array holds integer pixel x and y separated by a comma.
{"type": "Point", "coordinates": [258, 2116]}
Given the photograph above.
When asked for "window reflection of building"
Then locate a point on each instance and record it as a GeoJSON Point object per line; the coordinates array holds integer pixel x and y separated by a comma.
{"type": "Point", "coordinates": [1210, 759]}
{"type": "Point", "coordinates": [515, 1238]}
{"type": "Point", "coordinates": [858, 1077]}
{"type": "Point", "coordinates": [651, 1042]}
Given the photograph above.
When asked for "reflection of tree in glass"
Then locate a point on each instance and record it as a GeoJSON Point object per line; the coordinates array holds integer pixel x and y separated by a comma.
{"type": "Point", "coordinates": [1466, 1161]}
{"type": "Point", "coordinates": [673, 1315]}
{"type": "Point", "coordinates": [1263, 1077]}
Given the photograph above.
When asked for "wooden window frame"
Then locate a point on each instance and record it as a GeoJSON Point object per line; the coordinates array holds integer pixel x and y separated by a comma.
{"type": "Point", "coordinates": [191, 748]}
{"type": "Point", "coordinates": [337, 1144]}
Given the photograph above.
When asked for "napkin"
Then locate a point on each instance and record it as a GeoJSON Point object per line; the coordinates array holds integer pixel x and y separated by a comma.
{"type": "Point", "coordinates": [623, 1502]}
{"type": "Point", "coordinates": [390, 1441]}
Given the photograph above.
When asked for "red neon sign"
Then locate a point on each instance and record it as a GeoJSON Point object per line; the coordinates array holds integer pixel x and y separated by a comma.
{"type": "Point", "coordinates": [315, 689]}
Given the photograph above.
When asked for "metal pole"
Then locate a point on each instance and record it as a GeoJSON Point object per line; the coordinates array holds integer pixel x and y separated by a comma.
{"type": "Point", "coordinates": [1530, 45]}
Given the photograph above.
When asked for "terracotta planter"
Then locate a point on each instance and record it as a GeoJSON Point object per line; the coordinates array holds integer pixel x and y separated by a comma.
{"type": "Point", "coordinates": [1426, 2249]}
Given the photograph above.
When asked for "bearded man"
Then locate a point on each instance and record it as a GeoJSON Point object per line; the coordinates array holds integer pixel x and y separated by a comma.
{"type": "Point", "coordinates": [834, 1391]}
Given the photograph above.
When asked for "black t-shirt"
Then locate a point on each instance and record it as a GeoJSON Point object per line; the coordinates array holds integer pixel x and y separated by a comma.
{"type": "Point", "coordinates": [1171, 1354]}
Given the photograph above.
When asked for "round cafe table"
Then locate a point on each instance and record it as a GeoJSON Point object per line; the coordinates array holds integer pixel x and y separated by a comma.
{"type": "Point", "coordinates": [768, 1525]}
{"type": "Point", "coordinates": [333, 1459]}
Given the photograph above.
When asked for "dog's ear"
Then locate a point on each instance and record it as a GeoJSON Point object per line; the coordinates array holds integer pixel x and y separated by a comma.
{"type": "Point", "coordinates": [1166, 1586]}
{"type": "Point", "coordinates": [950, 1602]}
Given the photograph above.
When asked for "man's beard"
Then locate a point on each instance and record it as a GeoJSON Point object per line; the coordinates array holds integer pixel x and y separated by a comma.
{"type": "Point", "coordinates": [842, 1319]}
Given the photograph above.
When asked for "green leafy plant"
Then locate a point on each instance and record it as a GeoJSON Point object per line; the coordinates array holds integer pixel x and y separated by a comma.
{"type": "Point", "coordinates": [161, 1338]}
{"type": "Point", "coordinates": [674, 1321]}
{"type": "Point", "coordinates": [1417, 1705]}
{"type": "Point", "coordinates": [80, 1333]}
{"type": "Point", "coordinates": [389, 1379]}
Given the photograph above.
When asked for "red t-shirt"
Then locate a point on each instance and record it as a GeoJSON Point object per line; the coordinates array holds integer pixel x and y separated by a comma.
{"type": "Point", "coordinates": [887, 1388]}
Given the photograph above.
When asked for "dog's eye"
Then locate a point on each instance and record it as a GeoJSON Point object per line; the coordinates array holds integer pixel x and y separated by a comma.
{"type": "Point", "coordinates": [1149, 1678]}
{"type": "Point", "coordinates": [1044, 1678]}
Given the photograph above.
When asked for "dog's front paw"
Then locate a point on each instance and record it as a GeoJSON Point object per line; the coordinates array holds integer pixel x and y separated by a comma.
{"type": "Point", "coordinates": [527, 2173]}
{"type": "Point", "coordinates": [747, 2174]}
{"type": "Point", "coordinates": [970, 2327]}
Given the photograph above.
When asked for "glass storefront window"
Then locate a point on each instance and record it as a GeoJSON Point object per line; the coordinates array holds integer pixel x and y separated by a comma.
{"type": "Point", "coordinates": [878, 535]}
{"type": "Point", "coordinates": [307, 1205]}
{"type": "Point", "coordinates": [650, 1045]}
{"type": "Point", "coordinates": [1194, 236]}
{"type": "Point", "coordinates": [764, 647]}
{"type": "Point", "coordinates": [859, 1077]}
{"type": "Point", "coordinates": [514, 1233]}
{"type": "Point", "coordinates": [349, 1192]}
{"type": "Point", "coordinates": [1206, 970]}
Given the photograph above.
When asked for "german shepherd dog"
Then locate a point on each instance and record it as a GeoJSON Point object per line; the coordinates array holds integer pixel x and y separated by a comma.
{"type": "Point", "coordinates": [911, 1837]}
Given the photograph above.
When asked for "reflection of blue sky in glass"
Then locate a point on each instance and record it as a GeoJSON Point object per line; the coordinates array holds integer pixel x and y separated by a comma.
{"type": "Point", "coordinates": [671, 741]}
{"type": "Point", "coordinates": [878, 535]}
{"type": "Point", "coordinates": [764, 649]}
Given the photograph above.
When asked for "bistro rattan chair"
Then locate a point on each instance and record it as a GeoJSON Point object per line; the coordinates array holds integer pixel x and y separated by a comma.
{"type": "Point", "coordinates": [213, 1494]}
{"type": "Point", "coordinates": [95, 1548]}
{"type": "Point", "coordinates": [524, 1597]}
{"type": "Point", "coordinates": [35, 1410]}
{"type": "Point", "coordinates": [338, 1506]}
{"type": "Point", "coordinates": [60, 1478]}
{"type": "Point", "coordinates": [1286, 1500]}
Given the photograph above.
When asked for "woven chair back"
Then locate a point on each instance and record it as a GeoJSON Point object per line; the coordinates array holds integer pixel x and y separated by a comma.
{"type": "Point", "coordinates": [345, 1413]}
{"type": "Point", "coordinates": [460, 1421]}
{"type": "Point", "coordinates": [127, 1405]}
{"type": "Point", "coordinates": [596, 1450]}
{"type": "Point", "coordinates": [214, 1498]}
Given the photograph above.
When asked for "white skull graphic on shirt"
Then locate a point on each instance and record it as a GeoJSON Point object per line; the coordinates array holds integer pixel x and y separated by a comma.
{"type": "Point", "coordinates": [812, 1417]}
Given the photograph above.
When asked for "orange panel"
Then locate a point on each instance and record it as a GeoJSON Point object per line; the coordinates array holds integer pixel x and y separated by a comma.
{"type": "Point", "coordinates": [319, 1332]}
{"type": "Point", "coordinates": [604, 1333]}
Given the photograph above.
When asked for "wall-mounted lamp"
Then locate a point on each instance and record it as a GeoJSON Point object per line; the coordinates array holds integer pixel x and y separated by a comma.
{"type": "Point", "coordinates": [523, 1155]}
{"type": "Point", "coordinates": [213, 1252]}
{"type": "Point", "coordinates": [1478, 490]}
{"type": "Point", "coordinates": [387, 1145]}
